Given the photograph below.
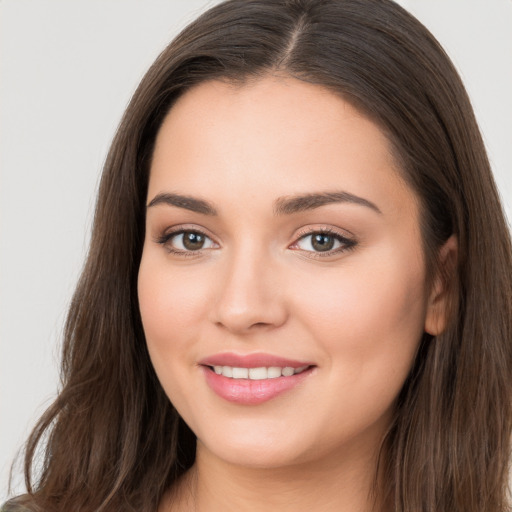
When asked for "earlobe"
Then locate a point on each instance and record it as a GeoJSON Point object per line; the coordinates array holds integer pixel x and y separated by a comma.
{"type": "Point", "coordinates": [438, 305]}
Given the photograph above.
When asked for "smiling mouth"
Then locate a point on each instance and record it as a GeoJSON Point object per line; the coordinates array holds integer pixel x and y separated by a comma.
{"type": "Point", "coordinates": [256, 385]}
{"type": "Point", "coordinates": [261, 373]}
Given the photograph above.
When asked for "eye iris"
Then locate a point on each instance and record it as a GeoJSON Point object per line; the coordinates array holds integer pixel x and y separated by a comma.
{"type": "Point", "coordinates": [193, 241]}
{"type": "Point", "coordinates": [322, 242]}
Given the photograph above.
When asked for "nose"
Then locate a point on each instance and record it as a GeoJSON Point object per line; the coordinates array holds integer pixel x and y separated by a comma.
{"type": "Point", "coordinates": [250, 296]}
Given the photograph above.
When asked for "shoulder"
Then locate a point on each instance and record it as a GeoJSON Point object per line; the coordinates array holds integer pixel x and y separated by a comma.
{"type": "Point", "coordinates": [11, 506]}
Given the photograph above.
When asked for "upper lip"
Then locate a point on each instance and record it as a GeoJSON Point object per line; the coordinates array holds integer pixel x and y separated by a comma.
{"type": "Point", "coordinates": [257, 360]}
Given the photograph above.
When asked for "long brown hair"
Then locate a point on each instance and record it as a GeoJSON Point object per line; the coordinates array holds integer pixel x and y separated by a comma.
{"type": "Point", "coordinates": [112, 439]}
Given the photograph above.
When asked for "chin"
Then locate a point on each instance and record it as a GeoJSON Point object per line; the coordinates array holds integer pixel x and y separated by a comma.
{"type": "Point", "coordinates": [257, 456]}
{"type": "Point", "coordinates": [262, 446]}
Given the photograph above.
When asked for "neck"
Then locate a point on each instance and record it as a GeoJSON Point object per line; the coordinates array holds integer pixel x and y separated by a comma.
{"type": "Point", "coordinates": [338, 483]}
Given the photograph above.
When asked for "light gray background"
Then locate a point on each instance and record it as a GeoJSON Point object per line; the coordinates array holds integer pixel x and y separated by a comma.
{"type": "Point", "coordinates": [68, 69]}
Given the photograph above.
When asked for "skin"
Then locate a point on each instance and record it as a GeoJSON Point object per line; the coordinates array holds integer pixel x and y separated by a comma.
{"type": "Point", "coordinates": [259, 286]}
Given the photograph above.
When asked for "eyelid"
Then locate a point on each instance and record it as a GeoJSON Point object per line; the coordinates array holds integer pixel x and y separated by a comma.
{"type": "Point", "coordinates": [347, 242]}
{"type": "Point", "coordinates": [173, 231]}
{"type": "Point", "coordinates": [324, 228]}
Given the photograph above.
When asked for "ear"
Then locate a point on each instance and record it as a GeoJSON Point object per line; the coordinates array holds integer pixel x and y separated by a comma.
{"type": "Point", "coordinates": [438, 301]}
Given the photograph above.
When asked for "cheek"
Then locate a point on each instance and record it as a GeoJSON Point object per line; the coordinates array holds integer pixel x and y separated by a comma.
{"type": "Point", "coordinates": [368, 325]}
{"type": "Point", "coordinates": [170, 302]}
{"type": "Point", "coordinates": [171, 306]}
{"type": "Point", "coordinates": [368, 316]}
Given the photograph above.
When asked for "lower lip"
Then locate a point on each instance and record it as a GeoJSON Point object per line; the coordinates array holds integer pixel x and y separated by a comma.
{"type": "Point", "coordinates": [251, 392]}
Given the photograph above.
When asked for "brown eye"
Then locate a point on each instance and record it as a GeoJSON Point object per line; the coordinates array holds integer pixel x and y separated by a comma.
{"type": "Point", "coordinates": [186, 241]}
{"type": "Point", "coordinates": [193, 241]}
{"type": "Point", "coordinates": [322, 242]}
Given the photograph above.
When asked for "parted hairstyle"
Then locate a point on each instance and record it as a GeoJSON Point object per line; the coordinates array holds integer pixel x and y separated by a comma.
{"type": "Point", "coordinates": [112, 441]}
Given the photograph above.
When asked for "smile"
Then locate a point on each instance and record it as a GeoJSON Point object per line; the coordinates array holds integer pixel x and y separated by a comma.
{"type": "Point", "coordinates": [261, 373]}
{"type": "Point", "coordinates": [253, 379]}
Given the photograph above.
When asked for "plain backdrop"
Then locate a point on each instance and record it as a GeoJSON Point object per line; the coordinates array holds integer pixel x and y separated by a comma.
{"type": "Point", "coordinates": [67, 71]}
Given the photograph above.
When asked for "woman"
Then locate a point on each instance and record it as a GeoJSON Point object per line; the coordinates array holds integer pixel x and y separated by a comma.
{"type": "Point", "coordinates": [298, 291]}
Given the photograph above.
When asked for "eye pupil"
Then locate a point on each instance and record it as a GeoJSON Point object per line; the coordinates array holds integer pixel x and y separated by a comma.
{"type": "Point", "coordinates": [193, 241]}
{"type": "Point", "coordinates": [322, 242]}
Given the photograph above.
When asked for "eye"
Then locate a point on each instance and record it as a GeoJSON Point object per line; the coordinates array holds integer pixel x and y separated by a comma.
{"type": "Point", "coordinates": [186, 241]}
{"type": "Point", "coordinates": [323, 242]}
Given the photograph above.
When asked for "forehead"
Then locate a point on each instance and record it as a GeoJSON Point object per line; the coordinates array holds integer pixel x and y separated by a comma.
{"type": "Point", "coordinates": [277, 136]}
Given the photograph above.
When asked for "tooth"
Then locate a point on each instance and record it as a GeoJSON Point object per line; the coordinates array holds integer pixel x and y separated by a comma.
{"type": "Point", "coordinates": [240, 373]}
{"type": "Point", "coordinates": [260, 373]}
{"type": "Point", "coordinates": [287, 371]}
{"type": "Point", "coordinates": [257, 373]}
{"type": "Point", "coordinates": [227, 371]}
{"type": "Point", "coordinates": [274, 372]}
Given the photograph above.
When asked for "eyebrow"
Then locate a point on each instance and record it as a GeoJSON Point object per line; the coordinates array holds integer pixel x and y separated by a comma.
{"type": "Point", "coordinates": [282, 206]}
{"type": "Point", "coordinates": [187, 202]}
{"type": "Point", "coordinates": [300, 203]}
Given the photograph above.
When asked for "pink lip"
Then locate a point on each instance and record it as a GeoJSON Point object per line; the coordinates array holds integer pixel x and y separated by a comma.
{"type": "Point", "coordinates": [247, 391]}
{"type": "Point", "coordinates": [257, 360]}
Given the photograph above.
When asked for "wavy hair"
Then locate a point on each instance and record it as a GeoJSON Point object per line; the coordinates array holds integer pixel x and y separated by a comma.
{"type": "Point", "coordinates": [112, 440]}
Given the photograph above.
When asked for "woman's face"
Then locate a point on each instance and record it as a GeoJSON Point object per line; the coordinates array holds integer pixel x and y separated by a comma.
{"type": "Point", "coordinates": [282, 282]}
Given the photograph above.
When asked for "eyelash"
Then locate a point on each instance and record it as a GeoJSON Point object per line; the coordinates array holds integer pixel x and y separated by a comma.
{"type": "Point", "coordinates": [167, 237]}
{"type": "Point", "coordinates": [346, 244]}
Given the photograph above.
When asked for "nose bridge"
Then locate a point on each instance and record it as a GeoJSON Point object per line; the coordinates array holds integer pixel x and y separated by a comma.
{"type": "Point", "coordinates": [249, 294]}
